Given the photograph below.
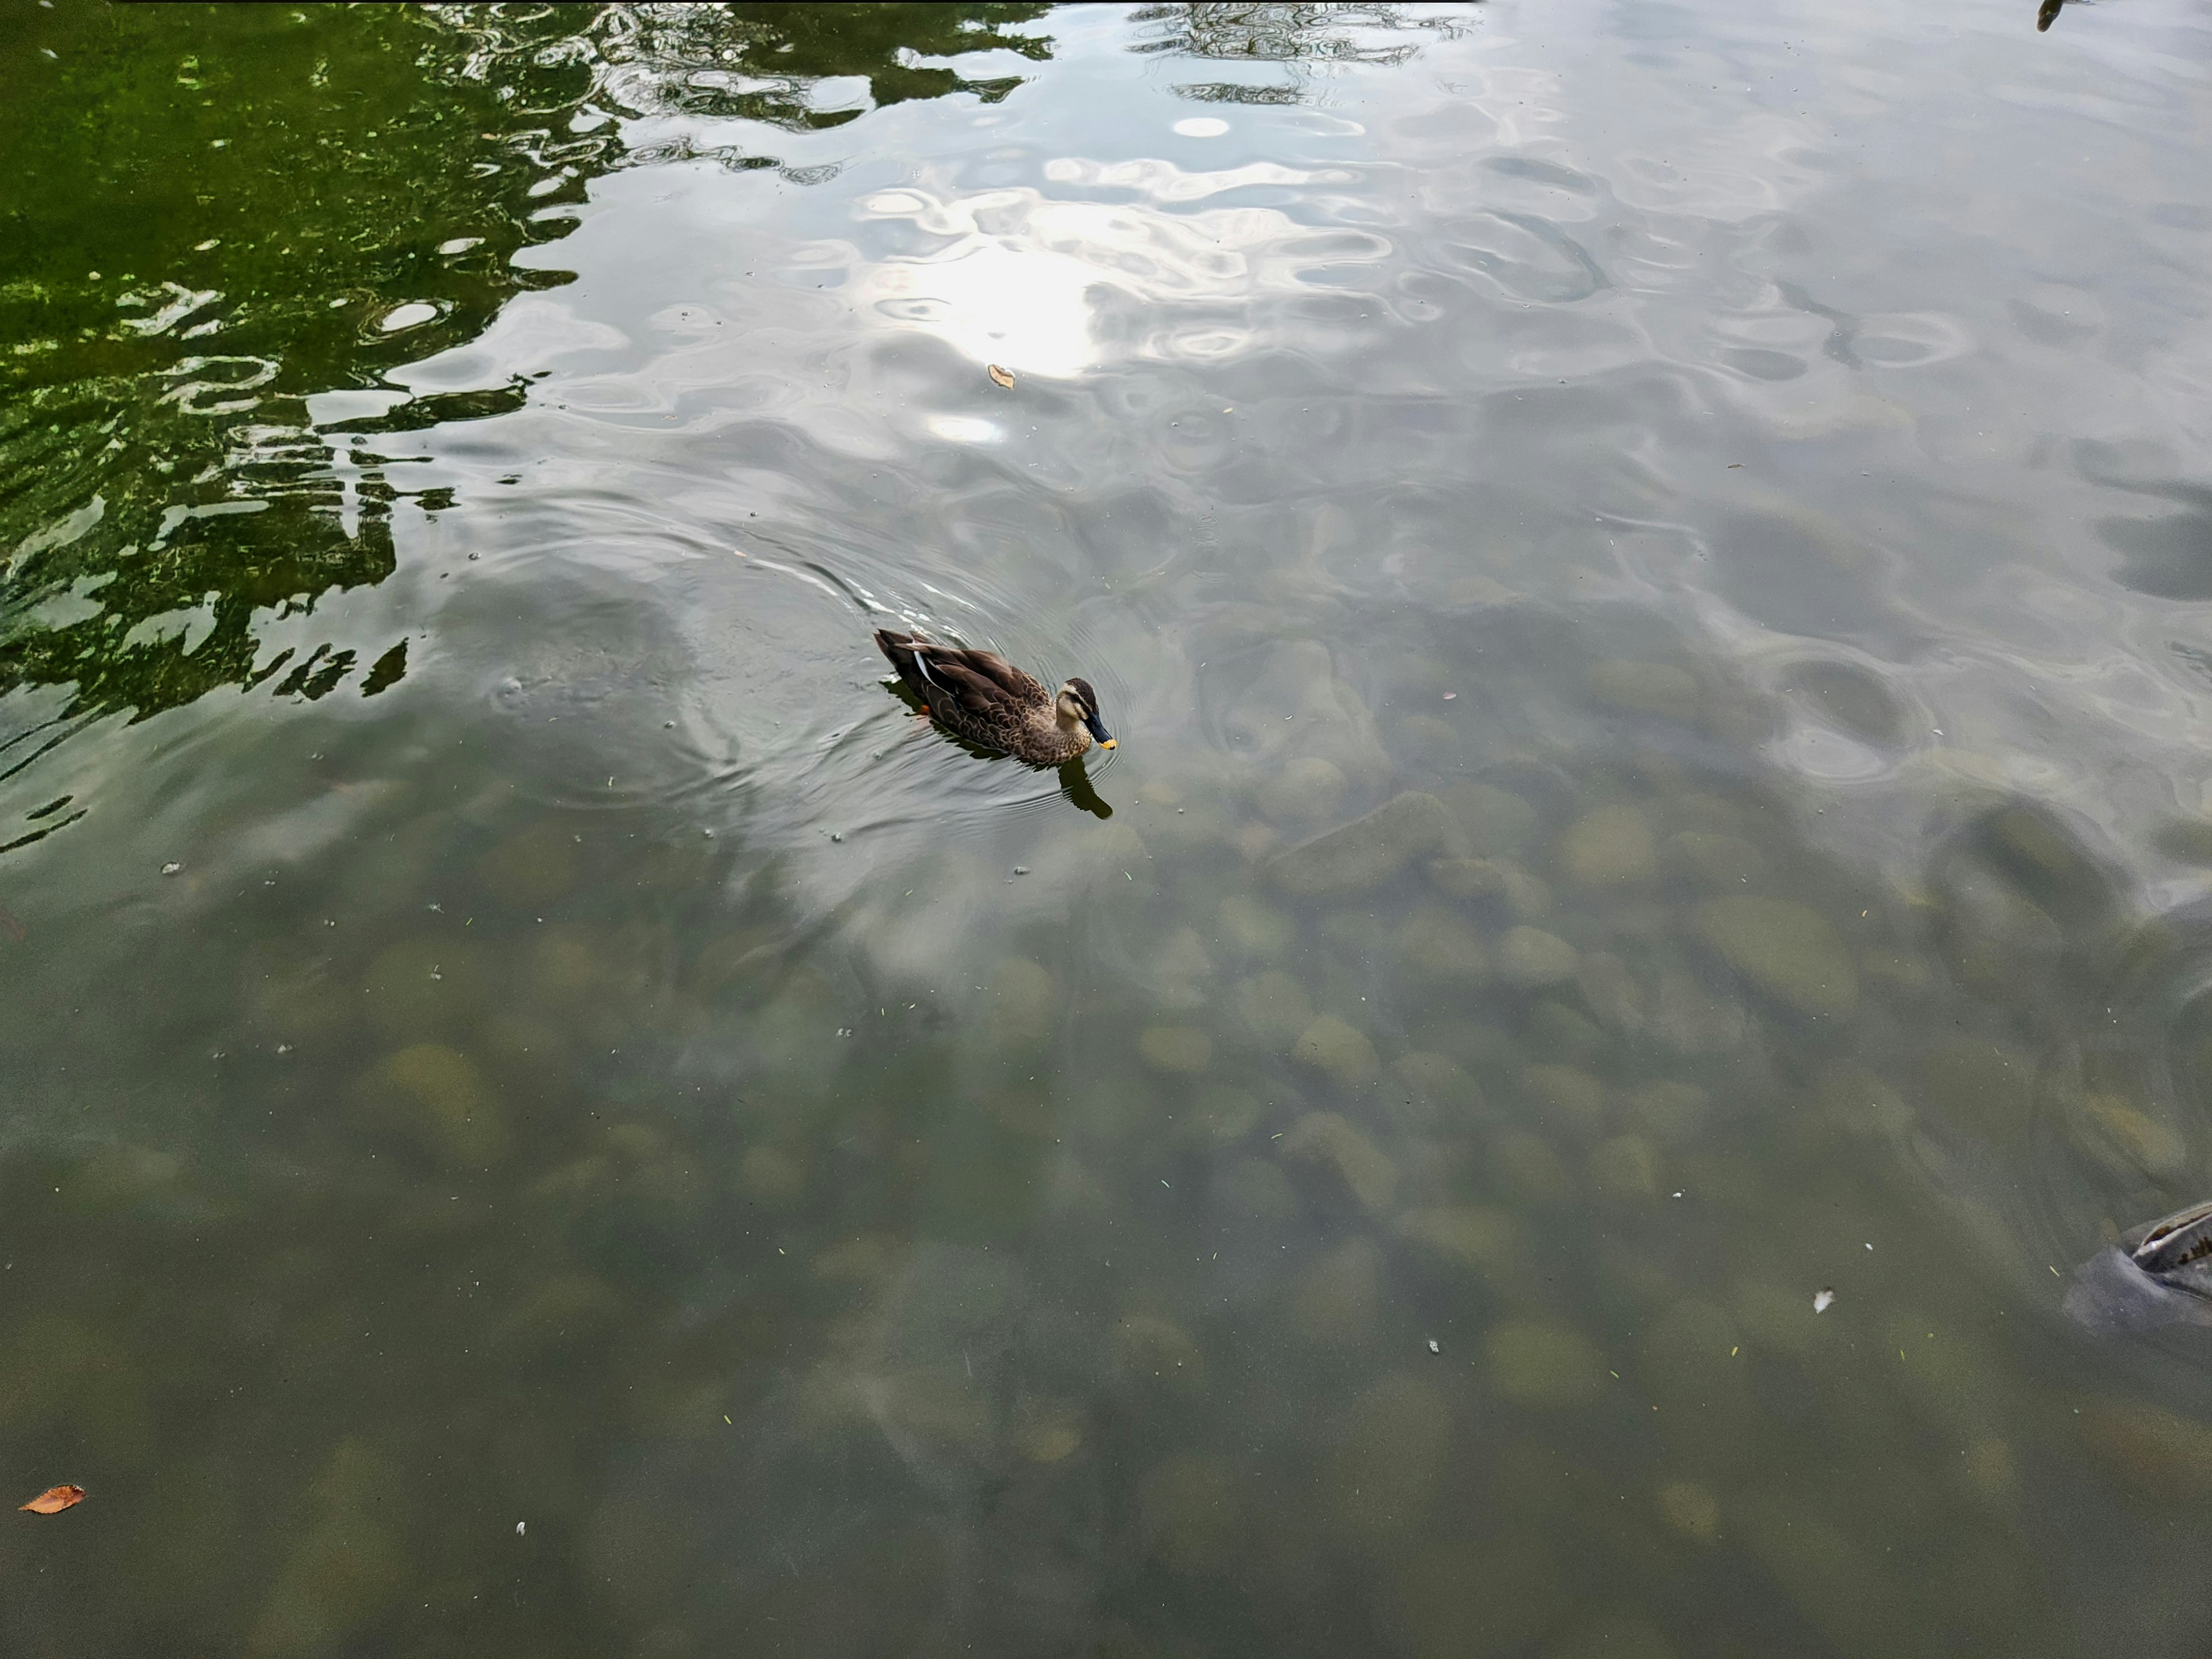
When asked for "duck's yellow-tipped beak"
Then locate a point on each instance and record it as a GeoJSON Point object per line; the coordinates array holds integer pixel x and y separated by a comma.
{"type": "Point", "coordinates": [1108, 743]}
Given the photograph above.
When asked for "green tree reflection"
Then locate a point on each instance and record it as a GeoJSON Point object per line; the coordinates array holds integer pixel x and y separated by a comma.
{"type": "Point", "coordinates": [216, 214]}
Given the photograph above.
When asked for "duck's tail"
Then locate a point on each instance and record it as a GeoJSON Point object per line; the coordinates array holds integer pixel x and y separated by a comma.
{"type": "Point", "coordinates": [901, 648]}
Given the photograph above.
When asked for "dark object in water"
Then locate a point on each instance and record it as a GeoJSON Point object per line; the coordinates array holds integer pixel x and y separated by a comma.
{"type": "Point", "coordinates": [2158, 1274]}
{"type": "Point", "coordinates": [980, 696]}
{"type": "Point", "coordinates": [2047, 15]}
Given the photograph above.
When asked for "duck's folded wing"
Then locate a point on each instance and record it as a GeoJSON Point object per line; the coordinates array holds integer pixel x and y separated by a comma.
{"type": "Point", "coordinates": [1010, 679]}
{"type": "Point", "coordinates": [972, 690]}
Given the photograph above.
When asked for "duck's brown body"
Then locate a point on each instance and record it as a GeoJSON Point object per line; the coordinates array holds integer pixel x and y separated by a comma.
{"type": "Point", "coordinates": [982, 697]}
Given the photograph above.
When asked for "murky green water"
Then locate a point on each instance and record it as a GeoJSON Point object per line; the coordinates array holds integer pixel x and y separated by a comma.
{"type": "Point", "coordinates": [1650, 564]}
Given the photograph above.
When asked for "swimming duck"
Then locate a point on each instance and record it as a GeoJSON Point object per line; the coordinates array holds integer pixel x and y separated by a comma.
{"type": "Point", "coordinates": [980, 695]}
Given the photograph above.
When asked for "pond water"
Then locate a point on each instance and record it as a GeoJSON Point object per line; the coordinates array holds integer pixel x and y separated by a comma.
{"type": "Point", "coordinates": [1650, 565]}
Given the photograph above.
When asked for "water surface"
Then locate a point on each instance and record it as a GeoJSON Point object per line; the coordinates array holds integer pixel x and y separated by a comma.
{"type": "Point", "coordinates": [1651, 567]}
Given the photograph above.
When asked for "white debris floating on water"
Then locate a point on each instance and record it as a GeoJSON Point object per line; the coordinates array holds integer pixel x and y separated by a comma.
{"type": "Point", "coordinates": [1821, 1301]}
{"type": "Point", "coordinates": [1433, 1347]}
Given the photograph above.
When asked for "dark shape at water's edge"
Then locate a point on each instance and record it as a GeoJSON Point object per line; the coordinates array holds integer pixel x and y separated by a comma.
{"type": "Point", "coordinates": [1075, 784]}
{"type": "Point", "coordinates": [217, 217]}
{"type": "Point", "coordinates": [2161, 1273]}
{"type": "Point", "coordinates": [2168, 558]}
{"type": "Point", "coordinates": [2047, 13]}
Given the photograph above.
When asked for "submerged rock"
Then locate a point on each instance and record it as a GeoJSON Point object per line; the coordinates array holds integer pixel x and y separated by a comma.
{"type": "Point", "coordinates": [1273, 1007]}
{"type": "Point", "coordinates": [1612, 847]}
{"type": "Point", "coordinates": [1470, 1236]}
{"type": "Point", "coordinates": [1691, 1509]}
{"type": "Point", "coordinates": [1784, 949]}
{"type": "Point", "coordinates": [1645, 687]}
{"type": "Point", "coordinates": [1541, 1364]}
{"type": "Point", "coordinates": [1335, 1299]}
{"type": "Point", "coordinates": [1436, 945]}
{"type": "Point", "coordinates": [1571, 1097]}
{"type": "Point", "coordinates": [1305, 791]}
{"type": "Point", "coordinates": [2155, 1451]}
{"type": "Point", "coordinates": [2126, 1140]}
{"type": "Point", "coordinates": [1626, 1167]}
{"type": "Point", "coordinates": [345, 1566]}
{"type": "Point", "coordinates": [1332, 1141]}
{"type": "Point", "coordinates": [1386, 1467]}
{"type": "Point", "coordinates": [1192, 1513]}
{"type": "Point", "coordinates": [1220, 1115]}
{"type": "Point", "coordinates": [435, 1098]}
{"type": "Point", "coordinates": [1726, 864]}
{"type": "Point", "coordinates": [1494, 823]}
{"type": "Point", "coordinates": [1474, 1598]}
{"type": "Point", "coordinates": [1532, 958]}
{"type": "Point", "coordinates": [1182, 1049]}
{"type": "Point", "coordinates": [1342, 1050]}
{"type": "Point", "coordinates": [1366, 852]}
{"type": "Point", "coordinates": [1253, 929]}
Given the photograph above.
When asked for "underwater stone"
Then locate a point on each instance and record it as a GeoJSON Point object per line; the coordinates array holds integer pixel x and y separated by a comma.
{"type": "Point", "coordinates": [1220, 1115]}
{"type": "Point", "coordinates": [1024, 1009]}
{"type": "Point", "coordinates": [1386, 1466]}
{"type": "Point", "coordinates": [1611, 992]}
{"type": "Point", "coordinates": [346, 1568]}
{"type": "Point", "coordinates": [1672, 1112]}
{"type": "Point", "coordinates": [1493, 823]}
{"type": "Point", "coordinates": [1532, 958]}
{"type": "Point", "coordinates": [1625, 1167]}
{"type": "Point", "coordinates": [1475, 1599]}
{"type": "Point", "coordinates": [1303, 791]}
{"type": "Point", "coordinates": [1257, 1186]}
{"type": "Point", "coordinates": [1332, 1141]}
{"type": "Point", "coordinates": [1467, 878]}
{"type": "Point", "coordinates": [1723, 863]}
{"type": "Point", "coordinates": [1336, 1297]}
{"type": "Point", "coordinates": [119, 1176]}
{"type": "Point", "coordinates": [1253, 929]}
{"type": "Point", "coordinates": [1837, 1585]}
{"type": "Point", "coordinates": [533, 868]}
{"type": "Point", "coordinates": [1192, 1513]}
{"type": "Point", "coordinates": [1182, 1049]}
{"type": "Point", "coordinates": [771, 1177]}
{"type": "Point", "coordinates": [1692, 1020]}
{"type": "Point", "coordinates": [435, 1098]}
{"type": "Point", "coordinates": [1541, 1364]}
{"type": "Point", "coordinates": [1273, 1007]}
{"type": "Point", "coordinates": [2126, 1140]}
{"type": "Point", "coordinates": [1437, 945]}
{"type": "Point", "coordinates": [1338, 1049]}
{"type": "Point", "coordinates": [1529, 1164]}
{"type": "Point", "coordinates": [1439, 1081]}
{"type": "Point", "coordinates": [1152, 1349]}
{"type": "Point", "coordinates": [2155, 1451]}
{"type": "Point", "coordinates": [1645, 687]}
{"type": "Point", "coordinates": [1609, 847]}
{"type": "Point", "coordinates": [1571, 1099]}
{"type": "Point", "coordinates": [1558, 1030]}
{"type": "Point", "coordinates": [1784, 949]}
{"type": "Point", "coordinates": [1469, 1236]}
{"type": "Point", "coordinates": [1366, 852]}
{"type": "Point", "coordinates": [1691, 1509]}
{"type": "Point", "coordinates": [1180, 971]}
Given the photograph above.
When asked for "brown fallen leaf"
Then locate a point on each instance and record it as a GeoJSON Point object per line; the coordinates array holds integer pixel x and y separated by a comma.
{"type": "Point", "coordinates": [55, 1499]}
{"type": "Point", "coordinates": [999, 377]}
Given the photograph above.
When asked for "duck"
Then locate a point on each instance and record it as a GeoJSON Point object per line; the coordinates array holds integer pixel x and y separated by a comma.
{"type": "Point", "coordinates": [980, 696]}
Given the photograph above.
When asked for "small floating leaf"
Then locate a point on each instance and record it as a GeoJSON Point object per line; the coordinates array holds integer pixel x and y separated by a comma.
{"type": "Point", "coordinates": [999, 377]}
{"type": "Point", "coordinates": [55, 1499]}
{"type": "Point", "coordinates": [1820, 1302]}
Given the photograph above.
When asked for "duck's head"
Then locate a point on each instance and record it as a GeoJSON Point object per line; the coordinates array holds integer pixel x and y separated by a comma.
{"type": "Point", "coordinates": [1078, 704]}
